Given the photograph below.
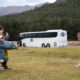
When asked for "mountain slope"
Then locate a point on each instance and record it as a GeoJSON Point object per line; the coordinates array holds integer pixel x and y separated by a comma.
{"type": "Point", "coordinates": [16, 9]}
{"type": "Point", "coordinates": [59, 15]}
{"type": "Point", "coordinates": [60, 0]}
{"type": "Point", "coordinates": [64, 8]}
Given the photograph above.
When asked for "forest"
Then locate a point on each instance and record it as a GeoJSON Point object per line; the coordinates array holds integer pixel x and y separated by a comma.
{"type": "Point", "coordinates": [59, 15]}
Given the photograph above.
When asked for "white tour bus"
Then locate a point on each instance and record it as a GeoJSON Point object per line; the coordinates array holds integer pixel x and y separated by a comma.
{"type": "Point", "coordinates": [49, 38]}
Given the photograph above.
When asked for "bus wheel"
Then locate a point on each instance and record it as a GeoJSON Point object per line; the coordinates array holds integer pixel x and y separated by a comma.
{"type": "Point", "coordinates": [24, 45]}
{"type": "Point", "coordinates": [48, 45]}
{"type": "Point", "coordinates": [43, 45]}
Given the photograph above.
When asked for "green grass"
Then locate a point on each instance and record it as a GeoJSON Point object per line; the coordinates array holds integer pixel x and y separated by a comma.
{"type": "Point", "coordinates": [43, 64]}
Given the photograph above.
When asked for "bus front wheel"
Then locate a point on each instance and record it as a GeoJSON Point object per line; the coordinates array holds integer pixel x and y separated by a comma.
{"type": "Point", "coordinates": [24, 45]}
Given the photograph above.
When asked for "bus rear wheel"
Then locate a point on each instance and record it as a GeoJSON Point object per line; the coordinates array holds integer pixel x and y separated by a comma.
{"type": "Point", "coordinates": [48, 45]}
{"type": "Point", "coordinates": [24, 45]}
{"type": "Point", "coordinates": [43, 45]}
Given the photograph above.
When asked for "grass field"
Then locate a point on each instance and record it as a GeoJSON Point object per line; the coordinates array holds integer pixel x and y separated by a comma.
{"type": "Point", "coordinates": [43, 64]}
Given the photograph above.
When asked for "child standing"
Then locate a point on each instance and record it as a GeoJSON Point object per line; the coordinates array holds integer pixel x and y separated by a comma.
{"type": "Point", "coordinates": [4, 45]}
{"type": "Point", "coordinates": [2, 41]}
{"type": "Point", "coordinates": [6, 53]}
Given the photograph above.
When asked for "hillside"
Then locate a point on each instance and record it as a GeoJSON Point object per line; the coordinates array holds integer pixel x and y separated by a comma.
{"type": "Point", "coordinates": [59, 15]}
{"type": "Point", "coordinates": [14, 9]}
{"type": "Point", "coordinates": [17, 9]}
{"type": "Point", "coordinates": [60, 0]}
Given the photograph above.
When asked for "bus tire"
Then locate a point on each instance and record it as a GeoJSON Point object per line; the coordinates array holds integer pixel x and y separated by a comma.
{"type": "Point", "coordinates": [48, 45]}
{"type": "Point", "coordinates": [43, 45]}
{"type": "Point", "coordinates": [24, 45]}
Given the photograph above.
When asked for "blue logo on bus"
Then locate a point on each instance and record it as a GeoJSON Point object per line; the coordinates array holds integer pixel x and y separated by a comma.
{"type": "Point", "coordinates": [31, 40]}
{"type": "Point", "coordinates": [62, 34]}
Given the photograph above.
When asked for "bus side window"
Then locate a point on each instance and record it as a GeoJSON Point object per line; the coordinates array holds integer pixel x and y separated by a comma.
{"type": "Point", "coordinates": [52, 34]}
{"type": "Point", "coordinates": [44, 35]}
{"type": "Point", "coordinates": [27, 35]}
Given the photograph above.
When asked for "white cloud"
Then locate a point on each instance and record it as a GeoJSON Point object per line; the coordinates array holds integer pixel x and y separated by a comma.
{"type": "Point", "coordinates": [51, 1]}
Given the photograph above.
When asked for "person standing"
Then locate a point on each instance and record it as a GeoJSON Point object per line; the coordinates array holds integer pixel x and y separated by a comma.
{"type": "Point", "coordinates": [6, 52]}
{"type": "Point", "coordinates": [2, 40]}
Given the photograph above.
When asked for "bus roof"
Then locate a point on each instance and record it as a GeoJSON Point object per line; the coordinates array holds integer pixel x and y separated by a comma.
{"type": "Point", "coordinates": [57, 30]}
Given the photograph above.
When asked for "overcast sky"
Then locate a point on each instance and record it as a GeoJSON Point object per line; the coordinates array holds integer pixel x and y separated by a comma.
{"type": "Point", "coordinates": [4, 3]}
